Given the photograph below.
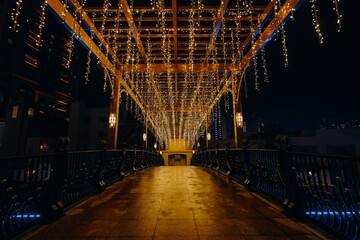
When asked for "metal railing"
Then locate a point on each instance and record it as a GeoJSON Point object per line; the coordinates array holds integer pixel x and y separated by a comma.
{"type": "Point", "coordinates": [37, 188]}
{"type": "Point", "coordinates": [320, 188]}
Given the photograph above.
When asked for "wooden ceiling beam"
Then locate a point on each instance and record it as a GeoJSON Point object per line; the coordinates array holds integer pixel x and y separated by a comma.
{"type": "Point", "coordinates": [179, 35]}
{"type": "Point", "coordinates": [168, 19]}
{"type": "Point", "coordinates": [179, 8]}
{"type": "Point", "coordinates": [183, 109]}
{"type": "Point", "coordinates": [202, 29]}
{"type": "Point", "coordinates": [180, 67]}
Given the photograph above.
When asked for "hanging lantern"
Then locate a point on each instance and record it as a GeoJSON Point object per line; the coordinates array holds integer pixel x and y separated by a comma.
{"type": "Point", "coordinates": [239, 119]}
{"type": "Point", "coordinates": [208, 136]}
{"type": "Point", "coordinates": [144, 137]}
{"type": "Point", "coordinates": [112, 120]}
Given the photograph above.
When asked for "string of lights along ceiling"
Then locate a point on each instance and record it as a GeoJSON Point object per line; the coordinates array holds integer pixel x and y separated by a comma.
{"type": "Point", "coordinates": [175, 58]}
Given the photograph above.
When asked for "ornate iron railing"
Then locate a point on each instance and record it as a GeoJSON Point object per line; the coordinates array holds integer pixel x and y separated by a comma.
{"type": "Point", "coordinates": [37, 188]}
{"type": "Point", "coordinates": [321, 188]}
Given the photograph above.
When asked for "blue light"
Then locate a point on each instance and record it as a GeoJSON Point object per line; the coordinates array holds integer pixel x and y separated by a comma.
{"type": "Point", "coordinates": [27, 216]}
{"type": "Point", "coordinates": [330, 213]}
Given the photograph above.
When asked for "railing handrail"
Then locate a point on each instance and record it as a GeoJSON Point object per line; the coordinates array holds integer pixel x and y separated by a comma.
{"type": "Point", "coordinates": [38, 187]}
{"type": "Point", "coordinates": [321, 188]}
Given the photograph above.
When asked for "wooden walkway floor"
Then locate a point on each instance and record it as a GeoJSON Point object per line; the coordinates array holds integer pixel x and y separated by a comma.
{"type": "Point", "coordinates": [174, 203]}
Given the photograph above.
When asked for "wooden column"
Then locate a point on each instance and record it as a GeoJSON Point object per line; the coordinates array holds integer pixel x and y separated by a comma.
{"type": "Point", "coordinates": [114, 108]}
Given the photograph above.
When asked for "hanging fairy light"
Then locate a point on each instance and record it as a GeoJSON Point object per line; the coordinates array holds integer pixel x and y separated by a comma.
{"type": "Point", "coordinates": [15, 16]}
{"type": "Point", "coordinates": [245, 86]}
{"type": "Point", "coordinates": [105, 83]}
{"type": "Point", "coordinates": [266, 77]}
{"type": "Point", "coordinates": [70, 50]}
{"type": "Point", "coordinates": [227, 102]}
{"type": "Point", "coordinates": [219, 121]}
{"type": "Point", "coordinates": [284, 45]}
{"type": "Point", "coordinates": [292, 17]}
{"type": "Point", "coordinates": [224, 44]}
{"type": "Point", "coordinates": [237, 33]}
{"type": "Point", "coordinates": [63, 14]}
{"type": "Point", "coordinates": [338, 15]}
{"type": "Point", "coordinates": [253, 51]}
{"type": "Point", "coordinates": [127, 102]}
{"type": "Point", "coordinates": [316, 21]}
{"type": "Point", "coordinates": [88, 63]}
{"type": "Point", "coordinates": [257, 85]}
{"type": "Point", "coordinates": [87, 73]}
{"type": "Point", "coordinates": [42, 23]}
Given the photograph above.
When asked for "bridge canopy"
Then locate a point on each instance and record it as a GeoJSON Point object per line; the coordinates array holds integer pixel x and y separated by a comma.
{"type": "Point", "coordinates": [175, 58]}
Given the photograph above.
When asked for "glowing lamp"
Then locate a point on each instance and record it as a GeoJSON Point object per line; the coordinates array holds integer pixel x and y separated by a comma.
{"type": "Point", "coordinates": [112, 120]}
{"type": "Point", "coordinates": [144, 137]}
{"type": "Point", "coordinates": [239, 119]}
{"type": "Point", "coordinates": [208, 136]}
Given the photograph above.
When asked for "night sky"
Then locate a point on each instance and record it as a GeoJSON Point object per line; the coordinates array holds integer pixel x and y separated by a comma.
{"type": "Point", "coordinates": [321, 81]}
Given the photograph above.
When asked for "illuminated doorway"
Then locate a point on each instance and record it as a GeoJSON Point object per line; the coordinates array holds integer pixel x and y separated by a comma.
{"type": "Point", "coordinates": [177, 160]}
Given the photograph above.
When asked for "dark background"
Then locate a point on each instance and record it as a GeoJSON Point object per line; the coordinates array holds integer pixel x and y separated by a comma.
{"type": "Point", "coordinates": [321, 82]}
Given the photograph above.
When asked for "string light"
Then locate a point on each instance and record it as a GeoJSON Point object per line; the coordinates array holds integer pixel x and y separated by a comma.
{"type": "Point", "coordinates": [88, 67]}
{"type": "Point", "coordinates": [15, 16]}
{"type": "Point", "coordinates": [88, 63]}
{"type": "Point", "coordinates": [42, 23]}
{"type": "Point", "coordinates": [284, 45]}
{"type": "Point", "coordinates": [203, 86]}
{"type": "Point", "coordinates": [266, 77]}
{"type": "Point", "coordinates": [245, 86]}
{"type": "Point", "coordinates": [292, 17]}
{"type": "Point", "coordinates": [63, 14]}
{"type": "Point", "coordinates": [338, 15]}
{"type": "Point", "coordinates": [70, 48]}
{"type": "Point", "coordinates": [252, 32]}
{"type": "Point", "coordinates": [316, 21]}
{"type": "Point", "coordinates": [105, 83]}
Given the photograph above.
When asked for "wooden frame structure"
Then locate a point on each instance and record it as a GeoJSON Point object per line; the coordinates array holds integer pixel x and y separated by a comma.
{"type": "Point", "coordinates": [174, 58]}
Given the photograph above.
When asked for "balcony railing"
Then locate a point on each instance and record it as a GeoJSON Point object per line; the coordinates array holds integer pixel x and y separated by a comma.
{"type": "Point", "coordinates": [320, 188]}
{"type": "Point", "coordinates": [36, 189]}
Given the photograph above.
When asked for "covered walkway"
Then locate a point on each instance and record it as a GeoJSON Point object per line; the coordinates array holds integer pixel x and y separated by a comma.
{"type": "Point", "coordinates": [175, 203]}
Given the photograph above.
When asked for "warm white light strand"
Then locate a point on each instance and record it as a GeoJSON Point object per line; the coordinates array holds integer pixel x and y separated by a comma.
{"type": "Point", "coordinates": [284, 45]}
{"type": "Point", "coordinates": [42, 23]}
{"type": "Point", "coordinates": [316, 21]}
{"type": "Point", "coordinates": [266, 77]}
{"type": "Point", "coordinates": [15, 16]}
{"type": "Point", "coordinates": [63, 14]}
{"type": "Point", "coordinates": [70, 48]}
{"type": "Point", "coordinates": [338, 15]}
{"type": "Point", "coordinates": [87, 73]}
